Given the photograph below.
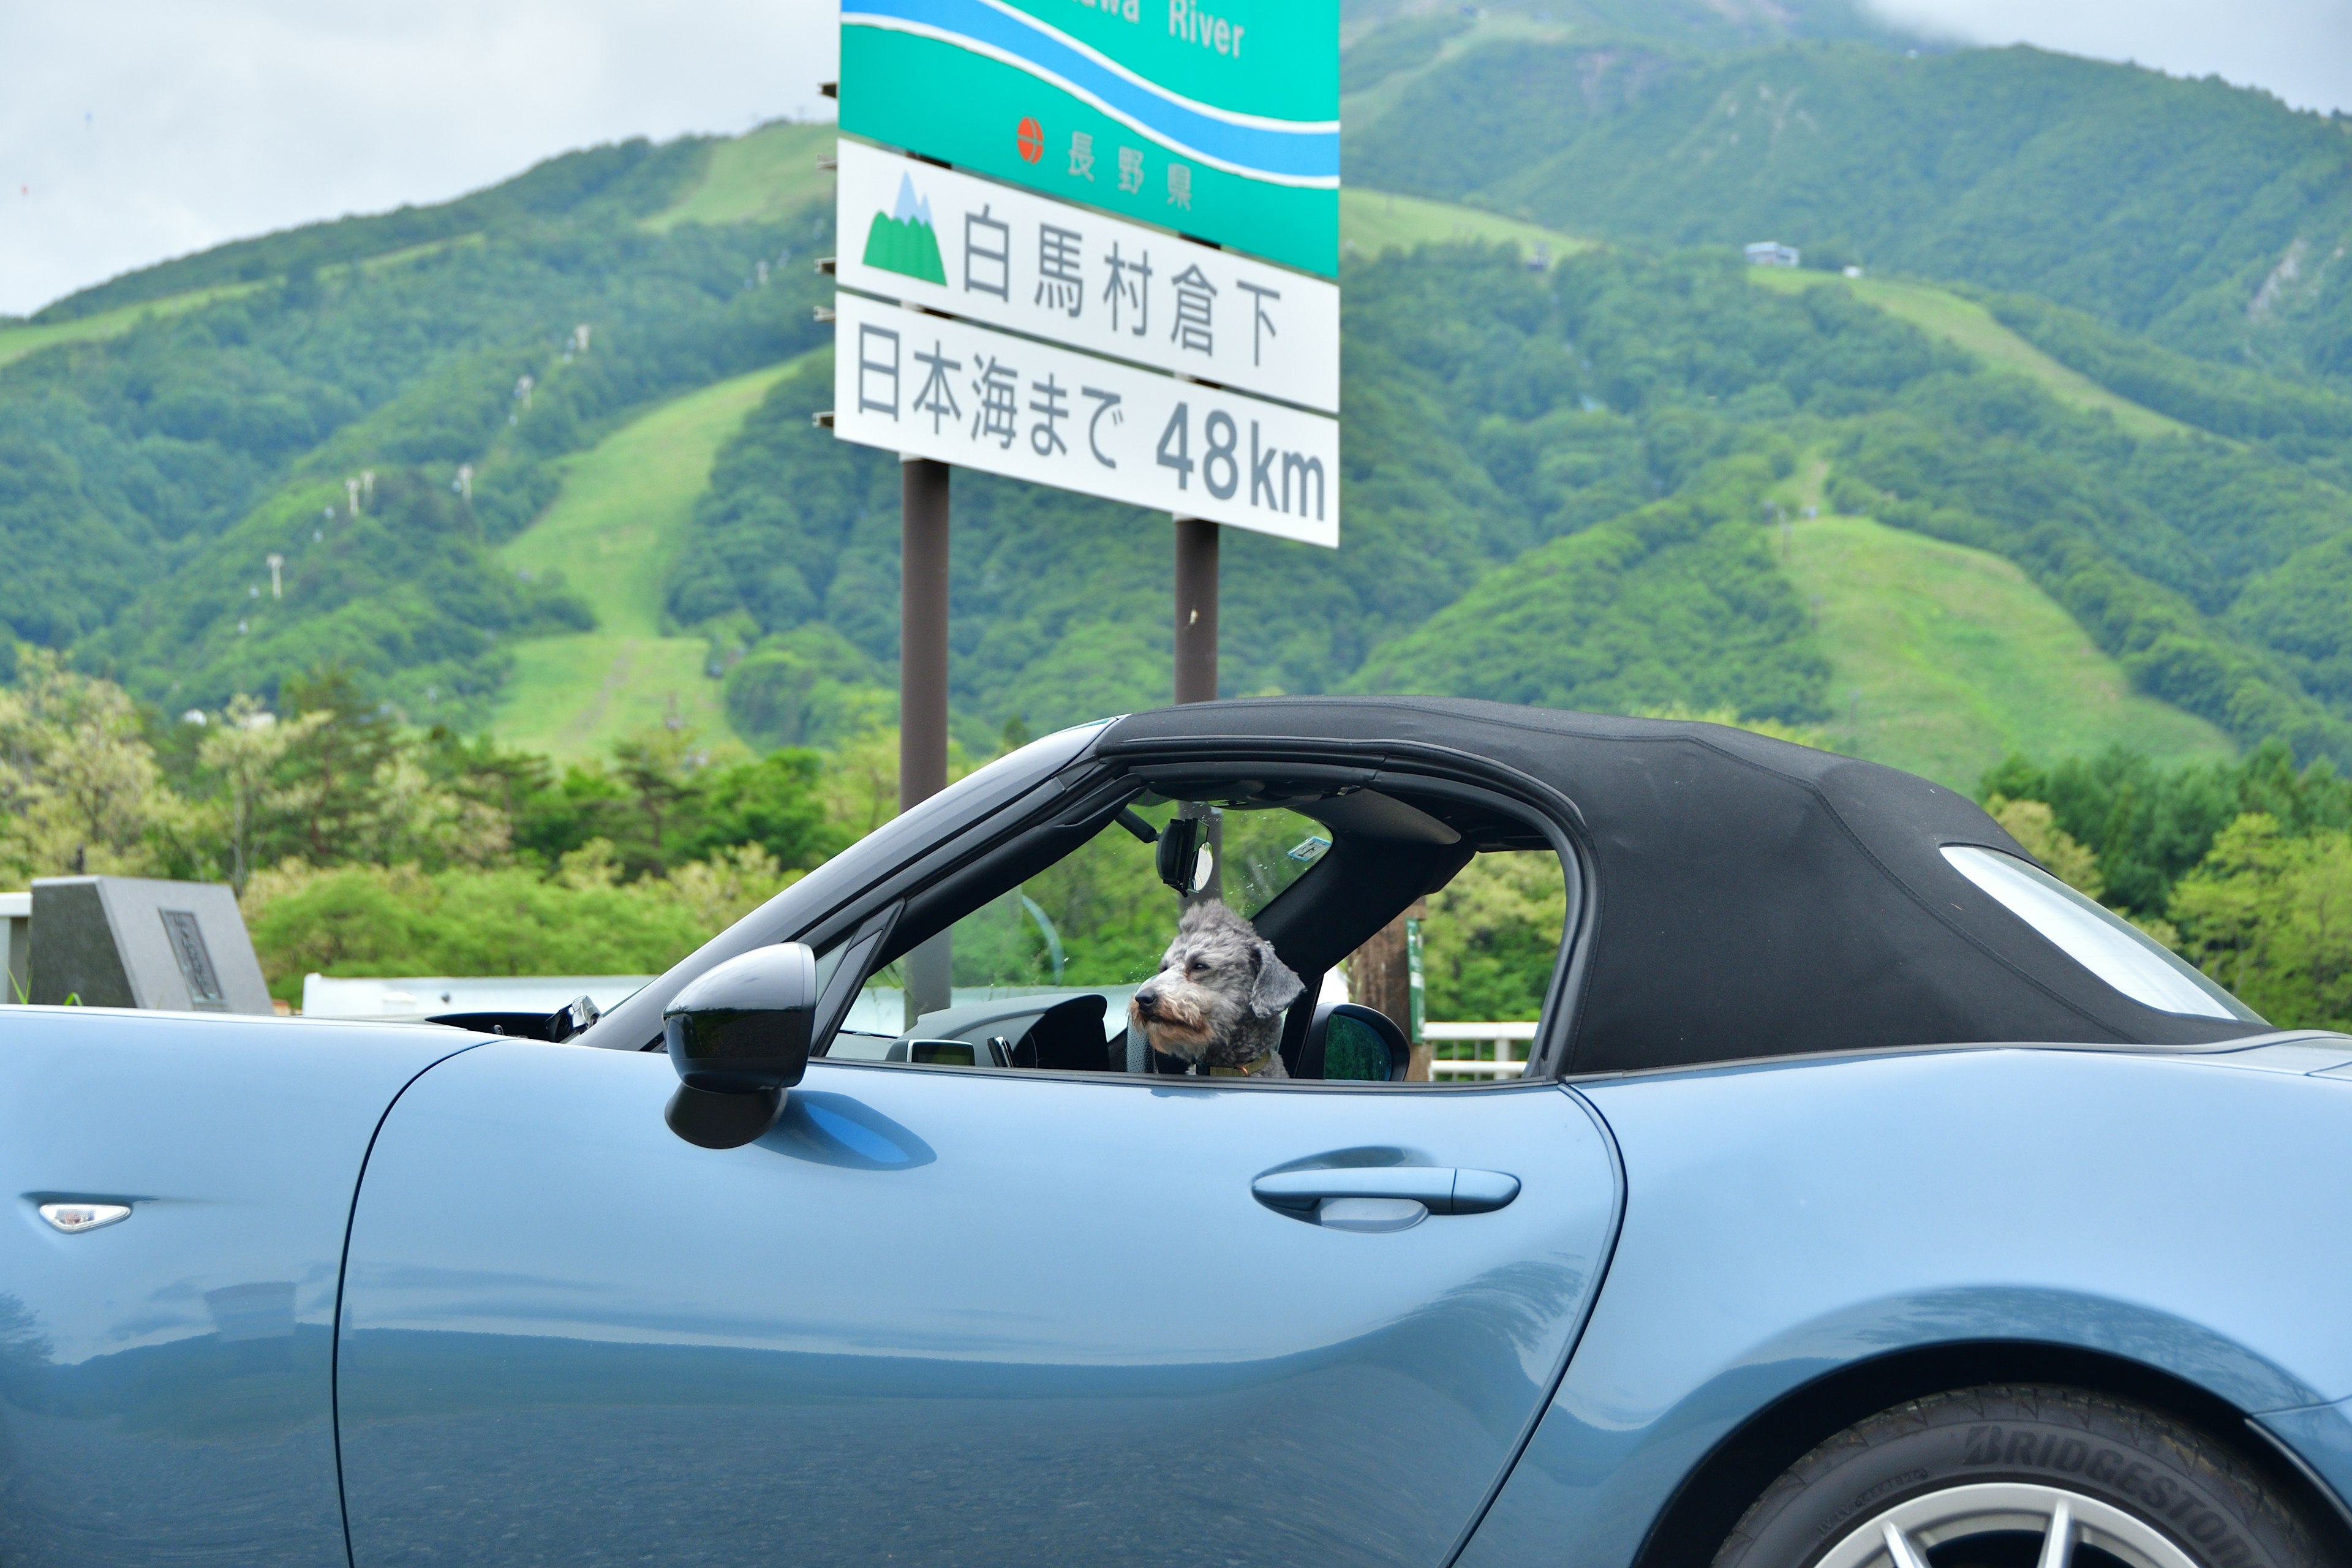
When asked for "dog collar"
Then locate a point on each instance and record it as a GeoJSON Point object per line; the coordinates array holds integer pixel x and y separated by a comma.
{"type": "Point", "coordinates": [1250, 1068]}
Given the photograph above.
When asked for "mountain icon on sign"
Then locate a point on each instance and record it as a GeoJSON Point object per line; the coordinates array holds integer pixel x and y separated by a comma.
{"type": "Point", "coordinates": [903, 240]}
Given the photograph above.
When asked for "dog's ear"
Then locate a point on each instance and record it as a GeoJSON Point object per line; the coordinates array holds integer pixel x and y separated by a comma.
{"type": "Point", "coordinates": [1276, 987]}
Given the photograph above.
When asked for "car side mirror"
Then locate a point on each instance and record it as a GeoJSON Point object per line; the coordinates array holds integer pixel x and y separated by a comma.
{"type": "Point", "coordinates": [739, 1038]}
{"type": "Point", "coordinates": [1351, 1043]}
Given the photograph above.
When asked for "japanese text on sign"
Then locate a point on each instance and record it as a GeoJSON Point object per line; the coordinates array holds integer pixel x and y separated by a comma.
{"type": "Point", "coordinates": [924, 235]}
{"type": "Point", "coordinates": [931, 388]}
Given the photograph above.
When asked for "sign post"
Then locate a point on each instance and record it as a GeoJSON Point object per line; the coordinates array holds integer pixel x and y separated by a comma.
{"type": "Point", "coordinates": [923, 688]}
{"type": "Point", "coordinates": [1196, 610]}
{"type": "Point", "coordinates": [1091, 244]}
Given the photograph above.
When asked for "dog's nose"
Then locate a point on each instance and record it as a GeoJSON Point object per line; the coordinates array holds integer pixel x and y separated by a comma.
{"type": "Point", "coordinates": [1147, 998]}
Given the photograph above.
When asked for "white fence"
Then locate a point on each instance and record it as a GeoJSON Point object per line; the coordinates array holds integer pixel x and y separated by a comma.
{"type": "Point", "coordinates": [1461, 1051]}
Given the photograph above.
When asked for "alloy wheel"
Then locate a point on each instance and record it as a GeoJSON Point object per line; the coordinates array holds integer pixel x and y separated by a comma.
{"type": "Point", "coordinates": [2004, 1524]}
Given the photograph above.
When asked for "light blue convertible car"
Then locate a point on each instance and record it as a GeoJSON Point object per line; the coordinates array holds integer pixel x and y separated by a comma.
{"type": "Point", "coordinates": [1870, 1200]}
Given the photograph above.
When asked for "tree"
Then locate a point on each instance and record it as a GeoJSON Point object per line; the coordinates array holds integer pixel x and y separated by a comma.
{"type": "Point", "coordinates": [245, 749]}
{"type": "Point", "coordinates": [659, 770]}
{"type": "Point", "coordinates": [2269, 915]}
{"type": "Point", "coordinates": [775, 802]}
{"type": "Point", "coordinates": [80, 790]}
{"type": "Point", "coordinates": [2033, 824]}
{"type": "Point", "coordinates": [1491, 936]}
{"type": "Point", "coordinates": [332, 776]}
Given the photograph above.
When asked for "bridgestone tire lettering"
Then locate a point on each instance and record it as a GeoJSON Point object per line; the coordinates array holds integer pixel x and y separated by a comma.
{"type": "Point", "coordinates": [2216, 1506]}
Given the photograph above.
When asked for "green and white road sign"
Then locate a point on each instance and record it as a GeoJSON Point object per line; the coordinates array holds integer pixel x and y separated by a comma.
{"type": "Point", "coordinates": [1219, 118]}
{"type": "Point", "coordinates": [964, 245]}
{"type": "Point", "coordinates": [931, 386]}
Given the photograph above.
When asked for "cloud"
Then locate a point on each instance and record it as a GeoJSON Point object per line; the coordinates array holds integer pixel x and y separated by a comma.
{"type": "Point", "coordinates": [2299, 49]}
{"type": "Point", "coordinates": [132, 131]}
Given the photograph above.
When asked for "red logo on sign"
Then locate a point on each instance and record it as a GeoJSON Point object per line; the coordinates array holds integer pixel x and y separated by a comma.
{"type": "Point", "coordinates": [1033, 140]}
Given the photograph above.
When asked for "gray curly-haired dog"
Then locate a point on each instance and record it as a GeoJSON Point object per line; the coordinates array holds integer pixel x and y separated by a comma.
{"type": "Point", "coordinates": [1218, 998]}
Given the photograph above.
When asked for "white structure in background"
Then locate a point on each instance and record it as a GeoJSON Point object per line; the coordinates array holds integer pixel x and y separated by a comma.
{"type": "Point", "coordinates": [277, 565]}
{"type": "Point", "coordinates": [16, 944]}
{"type": "Point", "coordinates": [1770, 253]}
{"type": "Point", "coordinates": [351, 490]}
{"type": "Point", "coordinates": [367, 486]}
{"type": "Point", "coordinates": [522, 390]}
{"type": "Point", "coordinates": [1852, 271]}
{"type": "Point", "coordinates": [580, 338]}
{"type": "Point", "coordinates": [463, 483]}
{"type": "Point", "coordinates": [1505, 1063]}
{"type": "Point", "coordinates": [416, 998]}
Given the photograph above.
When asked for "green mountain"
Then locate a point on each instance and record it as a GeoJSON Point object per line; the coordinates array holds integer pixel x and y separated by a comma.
{"type": "Point", "coordinates": [2210, 218]}
{"type": "Point", "coordinates": [2015, 494]}
{"type": "Point", "coordinates": [148, 471]}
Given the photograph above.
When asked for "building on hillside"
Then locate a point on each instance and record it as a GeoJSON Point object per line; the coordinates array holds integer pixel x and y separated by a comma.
{"type": "Point", "coordinates": [1770, 253]}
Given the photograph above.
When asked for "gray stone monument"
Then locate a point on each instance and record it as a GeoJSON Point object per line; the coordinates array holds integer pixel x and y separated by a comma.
{"type": "Point", "coordinates": [128, 942]}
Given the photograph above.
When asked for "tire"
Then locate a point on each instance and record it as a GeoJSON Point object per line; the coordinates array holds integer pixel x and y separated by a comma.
{"type": "Point", "coordinates": [1975, 1479]}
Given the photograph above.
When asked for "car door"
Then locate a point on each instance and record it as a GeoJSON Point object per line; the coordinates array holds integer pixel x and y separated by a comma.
{"type": "Point", "coordinates": [941, 1315]}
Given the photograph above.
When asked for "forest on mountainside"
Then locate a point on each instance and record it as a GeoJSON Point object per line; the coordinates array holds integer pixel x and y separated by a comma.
{"type": "Point", "coordinates": [2205, 217]}
{"type": "Point", "coordinates": [1556, 486]}
{"type": "Point", "coordinates": [145, 479]}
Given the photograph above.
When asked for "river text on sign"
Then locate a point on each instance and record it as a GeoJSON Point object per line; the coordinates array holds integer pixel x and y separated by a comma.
{"type": "Point", "coordinates": [1191, 21]}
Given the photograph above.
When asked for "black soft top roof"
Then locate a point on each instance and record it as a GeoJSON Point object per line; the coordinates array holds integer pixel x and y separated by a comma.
{"type": "Point", "coordinates": [1751, 898]}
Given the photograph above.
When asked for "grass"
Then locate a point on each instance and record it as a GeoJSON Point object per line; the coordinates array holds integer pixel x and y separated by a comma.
{"type": "Point", "coordinates": [16, 342]}
{"type": "Point", "coordinates": [407, 253]}
{"type": "Point", "coordinates": [1969, 325]}
{"type": "Point", "coordinates": [1944, 659]}
{"type": "Point", "coordinates": [1491, 27]}
{"type": "Point", "coordinates": [612, 531]}
{"type": "Point", "coordinates": [1374, 221]}
{"type": "Point", "coordinates": [571, 697]}
{"type": "Point", "coordinates": [769, 173]}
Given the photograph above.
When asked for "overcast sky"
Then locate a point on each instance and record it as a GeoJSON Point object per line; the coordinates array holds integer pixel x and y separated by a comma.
{"type": "Point", "coordinates": [136, 129]}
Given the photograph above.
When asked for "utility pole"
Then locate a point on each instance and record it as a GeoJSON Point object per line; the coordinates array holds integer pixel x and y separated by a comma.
{"type": "Point", "coordinates": [1381, 976]}
{"type": "Point", "coordinates": [923, 688]}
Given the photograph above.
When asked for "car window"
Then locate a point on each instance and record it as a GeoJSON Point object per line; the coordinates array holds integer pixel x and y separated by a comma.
{"type": "Point", "coordinates": [1078, 939]}
{"type": "Point", "coordinates": [1095, 923]}
{"type": "Point", "coordinates": [2099, 940]}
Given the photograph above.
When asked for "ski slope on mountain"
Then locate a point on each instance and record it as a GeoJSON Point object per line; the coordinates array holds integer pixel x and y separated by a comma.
{"type": "Point", "coordinates": [612, 534]}
{"type": "Point", "coordinates": [1965, 324]}
{"type": "Point", "coordinates": [1943, 659]}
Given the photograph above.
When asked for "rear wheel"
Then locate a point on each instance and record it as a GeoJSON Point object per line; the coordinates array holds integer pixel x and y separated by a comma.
{"type": "Point", "coordinates": [2023, 1477]}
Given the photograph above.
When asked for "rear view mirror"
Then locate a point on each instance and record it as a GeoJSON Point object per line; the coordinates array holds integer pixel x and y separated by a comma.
{"type": "Point", "coordinates": [739, 1038]}
{"type": "Point", "coordinates": [1351, 1043]}
{"type": "Point", "coordinates": [1178, 854]}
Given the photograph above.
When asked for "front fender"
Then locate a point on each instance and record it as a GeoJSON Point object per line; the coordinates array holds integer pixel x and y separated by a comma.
{"type": "Point", "coordinates": [166, 1382]}
{"type": "Point", "coordinates": [1785, 1222]}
